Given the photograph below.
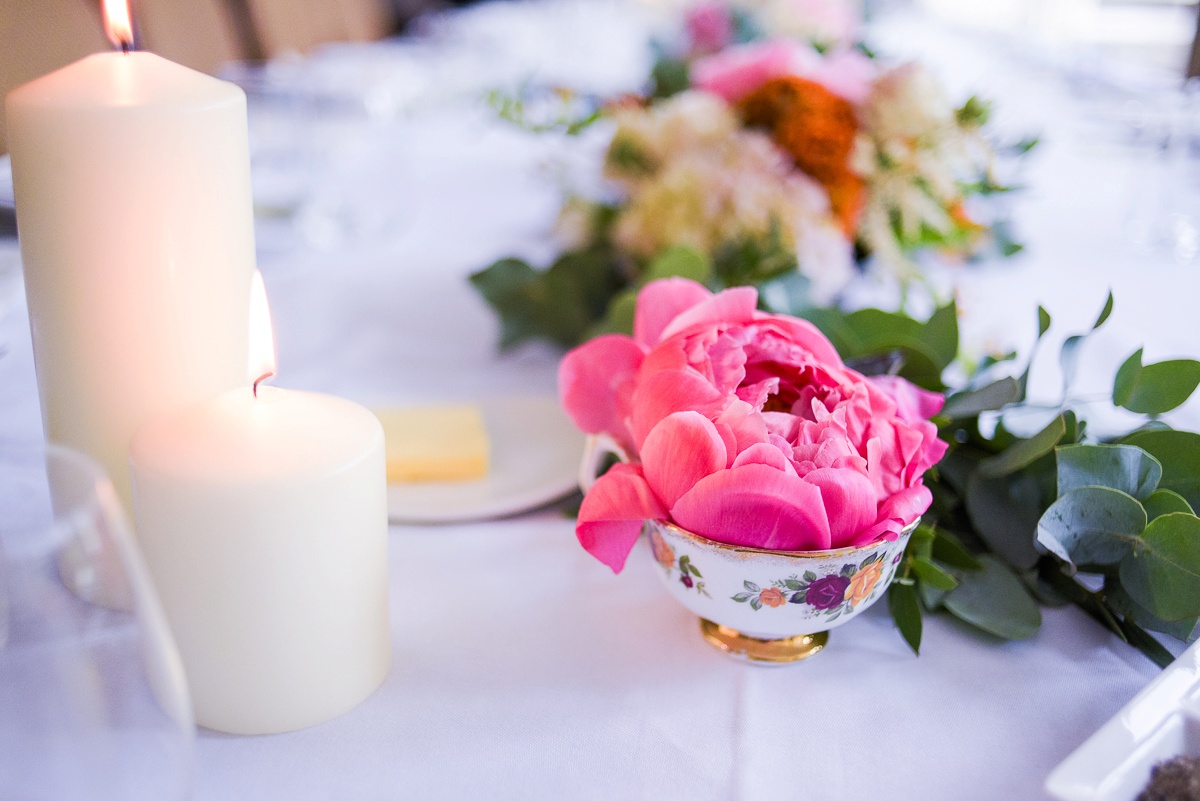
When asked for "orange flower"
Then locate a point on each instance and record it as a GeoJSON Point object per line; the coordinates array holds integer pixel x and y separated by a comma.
{"type": "Point", "coordinates": [817, 129]}
{"type": "Point", "coordinates": [771, 596]}
{"type": "Point", "coordinates": [863, 582]}
{"type": "Point", "coordinates": [662, 552]}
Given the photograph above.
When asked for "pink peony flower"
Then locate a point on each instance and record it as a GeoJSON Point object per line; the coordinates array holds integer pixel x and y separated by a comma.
{"type": "Point", "coordinates": [737, 71]}
{"type": "Point", "coordinates": [745, 428]}
{"type": "Point", "coordinates": [709, 27]}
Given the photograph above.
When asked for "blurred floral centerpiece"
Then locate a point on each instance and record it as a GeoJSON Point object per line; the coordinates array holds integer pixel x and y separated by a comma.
{"type": "Point", "coordinates": [785, 158]}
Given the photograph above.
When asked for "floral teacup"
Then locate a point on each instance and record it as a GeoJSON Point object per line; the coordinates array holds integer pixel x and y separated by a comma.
{"type": "Point", "coordinates": [771, 606]}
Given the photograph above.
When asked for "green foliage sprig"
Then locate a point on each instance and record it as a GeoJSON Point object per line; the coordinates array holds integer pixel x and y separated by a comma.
{"type": "Point", "coordinates": [1055, 517]}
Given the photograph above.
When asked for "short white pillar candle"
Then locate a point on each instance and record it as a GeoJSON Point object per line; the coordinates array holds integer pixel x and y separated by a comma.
{"type": "Point", "coordinates": [263, 518]}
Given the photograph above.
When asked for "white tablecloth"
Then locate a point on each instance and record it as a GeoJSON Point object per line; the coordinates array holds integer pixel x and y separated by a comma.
{"type": "Point", "coordinates": [523, 668]}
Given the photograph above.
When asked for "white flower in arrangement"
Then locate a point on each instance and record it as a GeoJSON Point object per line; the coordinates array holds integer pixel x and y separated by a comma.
{"type": "Point", "coordinates": [915, 151]}
{"type": "Point", "coordinates": [694, 177]}
{"type": "Point", "coordinates": [907, 102]}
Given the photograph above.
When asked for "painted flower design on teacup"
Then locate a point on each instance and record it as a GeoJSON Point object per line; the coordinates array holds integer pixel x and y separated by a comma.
{"type": "Point", "coordinates": [833, 593]}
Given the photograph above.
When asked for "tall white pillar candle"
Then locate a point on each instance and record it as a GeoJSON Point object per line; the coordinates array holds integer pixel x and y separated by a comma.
{"type": "Point", "coordinates": [264, 523]}
{"type": "Point", "coordinates": [132, 183]}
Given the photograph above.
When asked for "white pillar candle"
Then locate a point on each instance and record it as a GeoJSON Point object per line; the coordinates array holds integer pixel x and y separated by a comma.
{"type": "Point", "coordinates": [263, 518]}
{"type": "Point", "coordinates": [132, 184]}
{"type": "Point", "coordinates": [264, 524]}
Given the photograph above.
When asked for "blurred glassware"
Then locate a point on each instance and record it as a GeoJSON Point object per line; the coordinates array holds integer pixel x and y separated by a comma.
{"type": "Point", "coordinates": [1164, 216]}
{"type": "Point", "coordinates": [93, 700]}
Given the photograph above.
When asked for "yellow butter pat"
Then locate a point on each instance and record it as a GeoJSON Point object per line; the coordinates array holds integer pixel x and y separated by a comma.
{"type": "Point", "coordinates": [434, 443]}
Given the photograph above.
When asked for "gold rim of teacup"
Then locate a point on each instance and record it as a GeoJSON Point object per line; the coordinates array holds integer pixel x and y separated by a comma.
{"type": "Point", "coordinates": [751, 551]}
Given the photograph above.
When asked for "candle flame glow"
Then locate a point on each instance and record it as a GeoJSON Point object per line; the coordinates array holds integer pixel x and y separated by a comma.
{"type": "Point", "coordinates": [118, 23]}
{"type": "Point", "coordinates": [261, 363]}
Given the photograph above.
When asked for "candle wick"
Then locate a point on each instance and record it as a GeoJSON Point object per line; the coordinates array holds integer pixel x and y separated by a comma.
{"type": "Point", "coordinates": [126, 47]}
{"type": "Point", "coordinates": [260, 379]}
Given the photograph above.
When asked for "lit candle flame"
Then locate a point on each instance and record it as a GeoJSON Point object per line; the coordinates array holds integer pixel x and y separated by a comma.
{"type": "Point", "coordinates": [261, 363]}
{"type": "Point", "coordinates": [118, 24]}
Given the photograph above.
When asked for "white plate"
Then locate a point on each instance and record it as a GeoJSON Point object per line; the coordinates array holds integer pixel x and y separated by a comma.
{"type": "Point", "coordinates": [1162, 721]}
{"type": "Point", "coordinates": [535, 458]}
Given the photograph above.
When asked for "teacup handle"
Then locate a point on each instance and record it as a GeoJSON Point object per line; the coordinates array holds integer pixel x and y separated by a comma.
{"type": "Point", "coordinates": [596, 449]}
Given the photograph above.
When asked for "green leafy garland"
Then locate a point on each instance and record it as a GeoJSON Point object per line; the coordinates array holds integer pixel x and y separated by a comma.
{"type": "Point", "coordinates": [1056, 517]}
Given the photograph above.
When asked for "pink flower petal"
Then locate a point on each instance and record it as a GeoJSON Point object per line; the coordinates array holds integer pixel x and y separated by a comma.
{"type": "Point", "coordinates": [710, 26]}
{"type": "Point", "coordinates": [611, 516]}
{"type": "Point", "coordinates": [757, 506]}
{"type": "Point", "coordinates": [845, 72]}
{"type": "Point", "coordinates": [765, 453]}
{"type": "Point", "coordinates": [912, 402]}
{"type": "Point", "coordinates": [746, 425]}
{"type": "Point", "coordinates": [799, 336]}
{"type": "Point", "coordinates": [728, 307]}
{"type": "Point", "coordinates": [737, 71]}
{"type": "Point", "coordinates": [849, 500]}
{"type": "Point", "coordinates": [660, 302]}
{"type": "Point", "coordinates": [669, 391]}
{"type": "Point", "coordinates": [595, 384]}
{"type": "Point", "coordinates": [682, 449]}
{"type": "Point", "coordinates": [895, 514]}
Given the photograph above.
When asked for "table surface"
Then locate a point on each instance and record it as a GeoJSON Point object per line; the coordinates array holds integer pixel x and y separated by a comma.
{"type": "Point", "coordinates": [522, 667]}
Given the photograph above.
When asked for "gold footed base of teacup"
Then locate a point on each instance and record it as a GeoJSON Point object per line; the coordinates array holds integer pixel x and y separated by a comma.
{"type": "Point", "coordinates": [773, 651]}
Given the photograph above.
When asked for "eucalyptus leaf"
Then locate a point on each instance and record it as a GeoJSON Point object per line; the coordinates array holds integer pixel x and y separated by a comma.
{"type": "Point", "coordinates": [994, 599]}
{"type": "Point", "coordinates": [1068, 359]}
{"type": "Point", "coordinates": [948, 549]}
{"type": "Point", "coordinates": [1043, 327]}
{"type": "Point", "coordinates": [1179, 454]}
{"type": "Point", "coordinates": [1005, 513]}
{"type": "Point", "coordinates": [1127, 468]}
{"type": "Point", "coordinates": [1104, 313]}
{"type": "Point", "coordinates": [1164, 502]}
{"type": "Point", "coordinates": [1042, 591]}
{"type": "Point", "coordinates": [941, 332]}
{"type": "Point", "coordinates": [929, 573]}
{"type": "Point", "coordinates": [1118, 598]}
{"type": "Point", "coordinates": [906, 611]}
{"type": "Point", "coordinates": [931, 597]}
{"type": "Point", "coordinates": [1026, 451]}
{"type": "Point", "coordinates": [1162, 572]}
{"type": "Point", "coordinates": [985, 399]}
{"type": "Point", "coordinates": [1043, 322]}
{"type": "Point", "coordinates": [1092, 526]}
{"type": "Point", "coordinates": [1155, 388]}
{"type": "Point", "coordinates": [926, 348]}
{"type": "Point", "coordinates": [920, 544]}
